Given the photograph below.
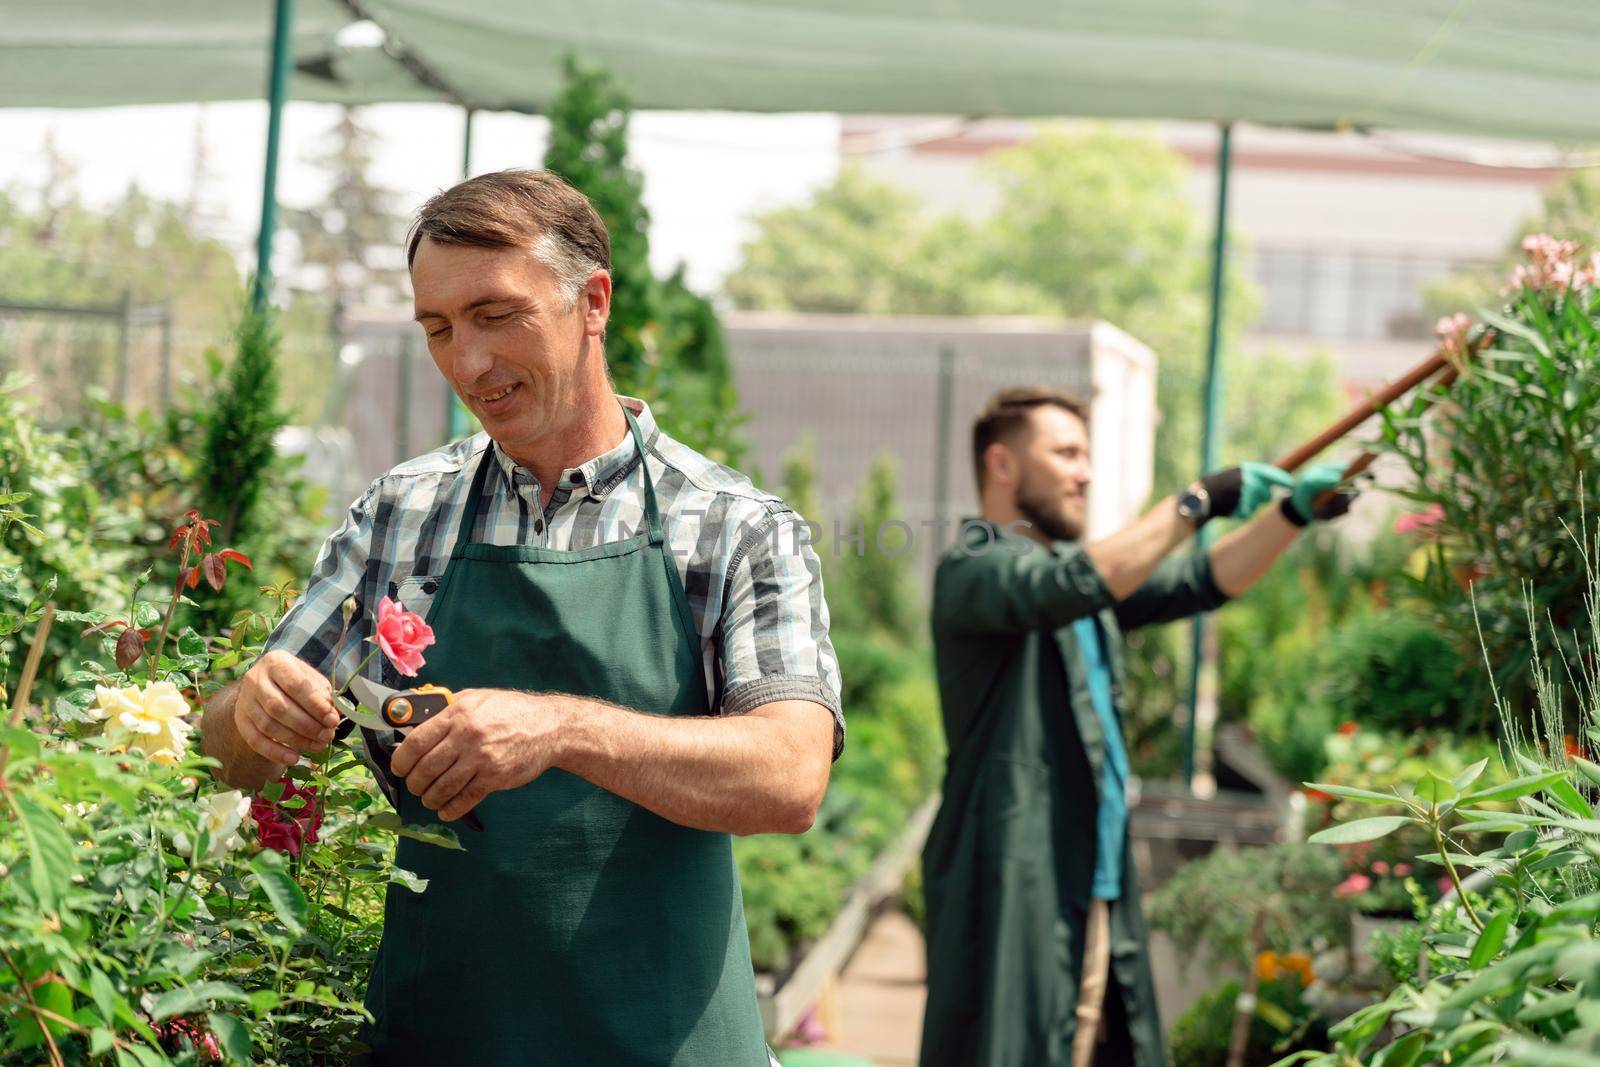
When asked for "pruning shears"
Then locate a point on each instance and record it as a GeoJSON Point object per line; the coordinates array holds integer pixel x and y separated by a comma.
{"type": "Point", "coordinates": [396, 712]}
{"type": "Point", "coordinates": [380, 708]}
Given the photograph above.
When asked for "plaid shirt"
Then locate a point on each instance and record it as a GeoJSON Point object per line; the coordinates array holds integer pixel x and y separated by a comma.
{"type": "Point", "coordinates": [754, 587]}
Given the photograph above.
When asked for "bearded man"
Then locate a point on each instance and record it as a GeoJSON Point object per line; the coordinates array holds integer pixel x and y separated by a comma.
{"type": "Point", "coordinates": [1036, 945]}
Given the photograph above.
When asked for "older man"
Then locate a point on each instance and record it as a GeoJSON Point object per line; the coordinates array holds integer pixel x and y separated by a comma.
{"type": "Point", "coordinates": [1036, 953]}
{"type": "Point", "coordinates": [641, 669]}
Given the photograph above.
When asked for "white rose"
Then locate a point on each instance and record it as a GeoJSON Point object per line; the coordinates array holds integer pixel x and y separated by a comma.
{"type": "Point", "coordinates": [220, 816]}
{"type": "Point", "coordinates": [109, 702]}
{"type": "Point", "coordinates": [150, 720]}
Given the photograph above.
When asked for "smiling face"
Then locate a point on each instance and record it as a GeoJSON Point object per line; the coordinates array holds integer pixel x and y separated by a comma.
{"type": "Point", "coordinates": [1054, 472]}
{"type": "Point", "coordinates": [507, 339]}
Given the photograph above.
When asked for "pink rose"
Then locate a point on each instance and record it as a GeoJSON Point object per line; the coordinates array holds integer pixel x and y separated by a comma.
{"type": "Point", "coordinates": [1402, 869]}
{"type": "Point", "coordinates": [1380, 867]}
{"type": "Point", "coordinates": [1353, 886]}
{"type": "Point", "coordinates": [286, 829]}
{"type": "Point", "coordinates": [1445, 884]}
{"type": "Point", "coordinates": [1420, 521]}
{"type": "Point", "coordinates": [402, 635]}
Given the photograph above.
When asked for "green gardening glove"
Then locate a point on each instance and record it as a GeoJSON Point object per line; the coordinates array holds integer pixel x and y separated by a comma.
{"type": "Point", "coordinates": [1300, 506]}
{"type": "Point", "coordinates": [1239, 492]}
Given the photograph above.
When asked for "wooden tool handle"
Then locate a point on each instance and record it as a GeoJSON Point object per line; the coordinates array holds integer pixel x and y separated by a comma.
{"type": "Point", "coordinates": [1296, 458]}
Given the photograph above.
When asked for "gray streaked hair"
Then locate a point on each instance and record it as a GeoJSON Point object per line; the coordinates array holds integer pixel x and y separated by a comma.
{"type": "Point", "coordinates": [520, 208]}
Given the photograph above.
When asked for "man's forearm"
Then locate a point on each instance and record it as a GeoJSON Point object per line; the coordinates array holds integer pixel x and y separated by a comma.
{"type": "Point", "coordinates": [241, 767]}
{"type": "Point", "coordinates": [1240, 559]}
{"type": "Point", "coordinates": [741, 774]}
{"type": "Point", "coordinates": [1126, 558]}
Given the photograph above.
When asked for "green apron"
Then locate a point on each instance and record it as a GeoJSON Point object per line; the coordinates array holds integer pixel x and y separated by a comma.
{"type": "Point", "coordinates": [578, 928]}
{"type": "Point", "coordinates": [1009, 863]}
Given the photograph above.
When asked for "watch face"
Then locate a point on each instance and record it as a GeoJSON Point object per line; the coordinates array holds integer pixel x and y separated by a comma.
{"type": "Point", "coordinates": [1191, 505]}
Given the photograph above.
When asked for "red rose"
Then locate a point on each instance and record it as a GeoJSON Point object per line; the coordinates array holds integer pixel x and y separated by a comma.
{"type": "Point", "coordinates": [286, 829]}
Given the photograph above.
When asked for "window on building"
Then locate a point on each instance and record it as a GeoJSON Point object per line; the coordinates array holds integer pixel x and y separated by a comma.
{"type": "Point", "coordinates": [1347, 295]}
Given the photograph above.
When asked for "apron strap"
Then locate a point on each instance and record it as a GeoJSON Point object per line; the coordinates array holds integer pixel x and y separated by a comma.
{"type": "Point", "coordinates": [652, 514]}
{"type": "Point", "coordinates": [469, 515]}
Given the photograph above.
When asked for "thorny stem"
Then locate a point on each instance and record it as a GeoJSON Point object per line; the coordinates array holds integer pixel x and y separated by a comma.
{"type": "Point", "coordinates": [359, 668]}
{"type": "Point", "coordinates": [172, 605]}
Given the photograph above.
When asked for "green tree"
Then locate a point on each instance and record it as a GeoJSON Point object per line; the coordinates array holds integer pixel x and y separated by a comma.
{"type": "Point", "coordinates": [663, 341]}
{"type": "Point", "coordinates": [237, 453]}
{"type": "Point", "coordinates": [55, 248]}
{"type": "Point", "coordinates": [351, 238]}
{"type": "Point", "coordinates": [1087, 224]}
{"type": "Point", "coordinates": [589, 148]}
{"type": "Point", "coordinates": [351, 252]}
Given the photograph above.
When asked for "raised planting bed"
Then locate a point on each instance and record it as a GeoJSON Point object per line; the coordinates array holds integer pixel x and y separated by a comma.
{"type": "Point", "coordinates": [785, 998]}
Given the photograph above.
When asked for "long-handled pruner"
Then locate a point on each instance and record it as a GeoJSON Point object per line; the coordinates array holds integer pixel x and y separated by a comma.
{"type": "Point", "coordinates": [397, 712]}
{"type": "Point", "coordinates": [1361, 412]}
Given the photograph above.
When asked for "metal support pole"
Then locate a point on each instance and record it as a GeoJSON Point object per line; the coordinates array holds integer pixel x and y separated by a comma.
{"type": "Point", "coordinates": [1211, 439]}
{"type": "Point", "coordinates": [402, 407]}
{"type": "Point", "coordinates": [277, 90]}
{"type": "Point", "coordinates": [166, 355]}
{"type": "Point", "coordinates": [455, 415]}
{"type": "Point", "coordinates": [941, 446]}
{"type": "Point", "coordinates": [124, 337]}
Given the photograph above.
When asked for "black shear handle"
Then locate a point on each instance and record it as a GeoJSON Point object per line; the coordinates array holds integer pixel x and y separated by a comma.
{"type": "Point", "coordinates": [413, 708]}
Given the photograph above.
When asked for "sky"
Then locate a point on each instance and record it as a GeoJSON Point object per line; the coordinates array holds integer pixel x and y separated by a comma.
{"type": "Point", "coordinates": [706, 173]}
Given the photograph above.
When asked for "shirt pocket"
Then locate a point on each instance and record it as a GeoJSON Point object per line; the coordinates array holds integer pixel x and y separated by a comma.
{"type": "Point", "coordinates": [416, 592]}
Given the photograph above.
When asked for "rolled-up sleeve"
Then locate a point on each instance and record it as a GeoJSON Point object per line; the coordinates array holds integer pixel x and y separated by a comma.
{"type": "Point", "coordinates": [774, 642]}
{"type": "Point", "coordinates": [1180, 586]}
{"type": "Point", "coordinates": [1014, 586]}
{"type": "Point", "coordinates": [310, 630]}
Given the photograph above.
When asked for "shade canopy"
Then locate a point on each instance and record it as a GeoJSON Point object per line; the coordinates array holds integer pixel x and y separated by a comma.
{"type": "Point", "coordinates": [1515, 68]}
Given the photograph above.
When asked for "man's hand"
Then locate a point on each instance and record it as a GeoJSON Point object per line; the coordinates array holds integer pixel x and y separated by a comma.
{"type": "Point", "coordinates": [283, 708]}
{"type": "Point", "coordinates": [1300, 506]}
{"type": "Point", "coordinates": [485, 741]}
{"type": "Point", "coordinates": [1238, 492]}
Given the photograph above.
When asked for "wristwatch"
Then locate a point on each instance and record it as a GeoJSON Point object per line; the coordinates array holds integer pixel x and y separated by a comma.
{"type": "Point", "coordinates": [1194, 504]}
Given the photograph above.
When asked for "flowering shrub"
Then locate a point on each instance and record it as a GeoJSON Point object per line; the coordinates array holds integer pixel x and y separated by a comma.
{"type": "Point", "coordinates": [146, 915]}
{"type": "Point", "coordinates": [1503, 465]}
{"type": "Point", "coordinates": [1511, 953]}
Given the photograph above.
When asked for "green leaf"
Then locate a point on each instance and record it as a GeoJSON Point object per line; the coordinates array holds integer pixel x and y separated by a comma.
{"type": "Point", "coordinates": [1568, 797]}
{"type": "Point", "coordinates": [100, 1041]}
{"type": "Point", "coordinates": [409, 879]}
{"type": "Point", "coordinates": [263, 1001]}
{"type": "Point", "coordinates": [42, 595]}
{"type": "Point", "coordinates": [51, 996]}
{"type": "Point", "coordinates": [232, 1036]}
{"type": "Point", "coordinates": [104, 995]}
{"type": "Point", "coordinates": [1589, 770]}
{"type": "Point", "coordinates": [1516, 787]}
{"type": "Point", "coordinates": [1365, 796]}
{"type": "Point", "coordinates": [186, 999]}
{"type": "Point", "coordinates": [49, 850]}
{"type": "Point", "coordinates": [1404, 1052]}
{"type": "Point", "coordinates": [190, 644]}
{"type": "Point", "coordinates": [1470, 775]}
{"type": "Point", "coordinates": [442, 836]}
{"type": "Point", "coordinates": [287, 898]}
{"type": "Point", "coordinates": [1432, 789]}
{"type": "Point", "coordinates": [1489, 942]}
{"type": "Point", "coordinates": [1350, 833]}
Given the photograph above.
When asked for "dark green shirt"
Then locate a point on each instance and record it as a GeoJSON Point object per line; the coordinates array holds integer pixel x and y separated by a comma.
{"type": "Point", "coordinates": [1010, 860]}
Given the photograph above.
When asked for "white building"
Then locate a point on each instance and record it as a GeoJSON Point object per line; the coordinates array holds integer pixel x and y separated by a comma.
{"type": "Point", "coordinates": [1340, 231]}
